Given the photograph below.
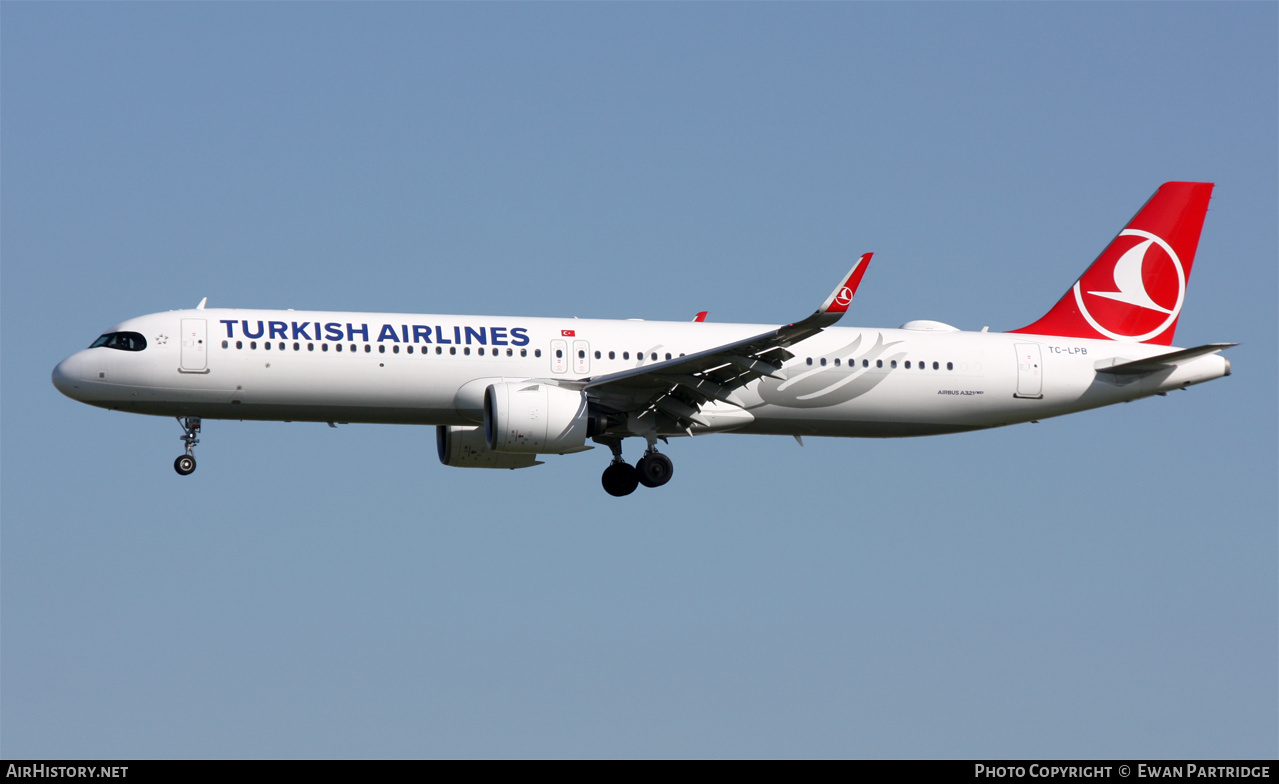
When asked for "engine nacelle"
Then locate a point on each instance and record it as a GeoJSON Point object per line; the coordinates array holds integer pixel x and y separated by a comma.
{"type": "Point", "coordinates": [533, 416]}
{"type": "Point", "coordinates": [464, 447]}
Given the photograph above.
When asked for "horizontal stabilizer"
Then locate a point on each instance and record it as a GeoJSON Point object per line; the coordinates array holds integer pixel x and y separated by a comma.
{"type": "Point", "coordinates": [1161, 362]}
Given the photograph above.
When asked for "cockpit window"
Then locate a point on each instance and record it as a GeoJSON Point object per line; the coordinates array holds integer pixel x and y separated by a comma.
{"type": "Point", "coordinates": [125, 341]}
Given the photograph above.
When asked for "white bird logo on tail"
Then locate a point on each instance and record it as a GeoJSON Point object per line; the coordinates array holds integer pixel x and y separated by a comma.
{"type": "Point", "coordinates": [1132, 289]}
{"type": "Point", "coordinates": [1131, 286]}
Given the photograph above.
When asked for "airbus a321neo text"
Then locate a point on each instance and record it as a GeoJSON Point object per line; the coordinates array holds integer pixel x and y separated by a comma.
{"type": "Point", "coordinates": [503, 391]}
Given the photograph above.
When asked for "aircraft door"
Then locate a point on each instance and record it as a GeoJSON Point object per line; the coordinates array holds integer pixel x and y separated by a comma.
{"type": "Point", "coordinates": [581, 357]}
{"type": "Point", "coordinates": [559, 356]}
{"type": "Point", "coordinates": [1030, 371]}
{"type": "Point", "coordinates": [195, 346]}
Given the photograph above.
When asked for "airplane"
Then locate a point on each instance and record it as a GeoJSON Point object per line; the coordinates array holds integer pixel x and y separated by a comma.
{"type": "Point", "coordinates": [502, 391]}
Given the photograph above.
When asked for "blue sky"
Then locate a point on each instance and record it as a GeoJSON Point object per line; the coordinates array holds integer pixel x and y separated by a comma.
{"type": "Point", "coordinates": [1102, 585]}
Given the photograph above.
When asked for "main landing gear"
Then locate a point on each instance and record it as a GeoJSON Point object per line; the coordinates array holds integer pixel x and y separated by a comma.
{"type": "Point", "coordinates": [620, 478]}
{"type": "Point", "coordinates": [185, 464]}
{"type": "Point", "coordinates": [654, 469]}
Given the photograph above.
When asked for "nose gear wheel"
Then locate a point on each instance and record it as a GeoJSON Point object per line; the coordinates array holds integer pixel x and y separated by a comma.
{"type": "Point", "coordinates": [185, 464]}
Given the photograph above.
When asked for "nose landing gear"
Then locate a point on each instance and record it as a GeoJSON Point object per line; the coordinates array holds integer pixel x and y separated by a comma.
{"type": "Point", "coordinates": [185, 464]}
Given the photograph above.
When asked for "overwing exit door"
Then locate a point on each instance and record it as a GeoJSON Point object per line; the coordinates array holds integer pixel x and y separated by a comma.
{"type": "Point", "coordinates": [559, 356]}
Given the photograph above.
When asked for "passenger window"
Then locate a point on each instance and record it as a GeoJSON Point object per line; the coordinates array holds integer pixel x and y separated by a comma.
{"type": "Point", "coordinates": [559, 353]}
{"type": "Point", "coordinates": [225, 344]}
{"type": "Point", "coordinates": [338, 348]}
{"type": "Point", "coordinates": [439, 349]}
{"type": "Point", "coordinates": [453, 350]}
{"type": "Point", "coordinates": [935, 366]}
{"type": "Point", "coordinates": [908, 364]}
{"type": "Point", "coordinates": [381, 349]}
{"type": "Point", "coordinates": [395, 349]}
{"type": "Point", "coordinates": [836, 361]}
{"type": "Point", "coordinates": [325, 346]}
{"type": "Point", "coordinates": [950, 365]}
{"type": "Point", "coordinates": [654, 357]}
{"type": "Point", "coordinates": [879, 363]}
{"type": "Point", "coordinates": [612, 355]}
{"type": "Point", "coordinates": [253, 344]}
{"type": "Point", "coordinates": [266, 346]}
{"type": "Point", "coordinates": [310, 347]}
{"type": "Point", "coordinates": [668, 355]}
{"type": "Point", "coordinates": [893, 363]}
{"type": "Point", "coordinates": [626, 355]}
{"type": "Point", "coordinates": [467, 351]}
{"type": "Point", "coordinates": [239, 344]}
{"type": "Point", "coordinates": [409, 349]}
{"type": "Point", "coordinates": [368, 349]}
{"type": "Point", "coordinates": [297, 347]}
{"type": "Point", "coordinates": [523, 352]}
{"type": "Point", "coordinates": [808, 361]}
{"type": "Point", "coordinates": [597, 355]}
{"type": "Point", "coordinates": [510, 352]}
{"type": "Point", "coordinates": [865, 363]}
{"type": "Point", "coordinates": [823, 361]}
{"type": "Point", "coordinates": [537, 352]}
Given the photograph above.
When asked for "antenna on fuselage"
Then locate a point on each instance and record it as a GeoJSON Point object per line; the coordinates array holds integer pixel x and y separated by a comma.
{"type": "Point", "coordinates": [201, 305]}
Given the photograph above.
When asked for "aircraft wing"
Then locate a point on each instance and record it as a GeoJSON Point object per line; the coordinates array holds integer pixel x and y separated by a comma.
{"type": "Point", "coordinates": [678, 387]}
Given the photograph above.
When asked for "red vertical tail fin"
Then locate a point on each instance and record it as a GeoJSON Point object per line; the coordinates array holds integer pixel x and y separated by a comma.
{"type": "Point", "coordinates": [1135, 289]}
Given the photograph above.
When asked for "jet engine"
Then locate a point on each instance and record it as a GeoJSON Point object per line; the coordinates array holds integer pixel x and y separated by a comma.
{"type": "Point", "coordinates": [533, 416]}
{"type": "Point", "coordinates": [464, 447]}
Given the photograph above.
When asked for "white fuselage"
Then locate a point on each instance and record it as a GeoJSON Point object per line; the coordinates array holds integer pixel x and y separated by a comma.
{"type": "Point", "coordinates": [433, 370]}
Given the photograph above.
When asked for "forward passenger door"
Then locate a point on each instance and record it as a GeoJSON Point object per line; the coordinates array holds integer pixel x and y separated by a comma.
{"type": "Point", "coordinates": [194, 346]}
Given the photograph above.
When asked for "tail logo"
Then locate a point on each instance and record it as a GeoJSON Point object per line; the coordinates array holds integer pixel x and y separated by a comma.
{"type": "Point", "coordinates": [844, 296]}
{"type": "Point", "coordinates": [1130, 272]}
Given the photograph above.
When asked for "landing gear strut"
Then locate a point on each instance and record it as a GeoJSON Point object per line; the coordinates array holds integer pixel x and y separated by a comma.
{"type": "Point", "coordinates": [185, 464]}
{"type": "Point", "coordinates": [654, 469]}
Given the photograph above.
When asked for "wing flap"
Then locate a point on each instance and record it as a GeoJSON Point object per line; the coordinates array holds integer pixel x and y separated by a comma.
{"type": "Point", "coordinates": [704, 388]}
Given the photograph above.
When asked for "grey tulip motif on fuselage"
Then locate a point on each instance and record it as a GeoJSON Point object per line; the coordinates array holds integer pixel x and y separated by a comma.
{"type": "Point", "coordinates": [820, 386]}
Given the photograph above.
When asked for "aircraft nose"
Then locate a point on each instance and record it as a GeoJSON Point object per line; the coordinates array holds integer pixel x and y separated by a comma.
{"type": "Point", "coordinates": [68, 375]}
